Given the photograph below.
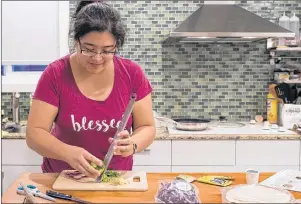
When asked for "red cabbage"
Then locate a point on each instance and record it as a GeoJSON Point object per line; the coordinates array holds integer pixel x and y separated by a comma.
{"type": "Point", "coordinates": [177, 191]}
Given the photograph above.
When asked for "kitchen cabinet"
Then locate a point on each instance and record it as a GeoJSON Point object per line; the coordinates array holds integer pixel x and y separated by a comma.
{"type": "Point", "coordinates": [177, 156]}
{"type": "Point", "coordinates": [268, 152]}
{"type": "Point", "coordinates": [16, 152]}
{"type": "Point", "coordinates": [152, 169]}
{"type": "Point", "coordinates": [157, 154]}
{"type": "Point", "coordinates": [17, 158]}
{"type": "Point", "coordinates": [156, 158]}
{"type": "Point", "coordinates": [203, 152]}
{"type": "Point", "coordinates": [265, 168]}
{"type": "Point", "coordinates": [12, 172]}
{"type": "Point", "coordinates": [17, 45]}
{"type": "Point", "coordinates": [195, 169]}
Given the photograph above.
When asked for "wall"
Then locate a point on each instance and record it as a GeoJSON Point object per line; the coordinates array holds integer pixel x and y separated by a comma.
{"type": "Point", "coordinates": [194, 80]}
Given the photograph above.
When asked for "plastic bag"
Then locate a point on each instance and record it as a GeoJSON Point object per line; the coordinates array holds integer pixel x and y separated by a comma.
{"type": "Point", "coordinates": [177, 191]}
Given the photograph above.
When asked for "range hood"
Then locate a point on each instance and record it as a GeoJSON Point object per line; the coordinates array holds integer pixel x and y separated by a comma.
{"type": "Point", "coordinates": [223, 23]}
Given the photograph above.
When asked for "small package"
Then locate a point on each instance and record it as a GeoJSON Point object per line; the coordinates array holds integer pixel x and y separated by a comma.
{"type": "Point", "coordinates": [187, 178]}
{"type": "Point", "coordinates": [177, 191]}
{"type": "Point", "coordinates": [216, 180]}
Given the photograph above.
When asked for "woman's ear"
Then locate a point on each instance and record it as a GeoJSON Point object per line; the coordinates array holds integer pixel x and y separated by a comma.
{"type": "Point", "coordinates": [76, 46]}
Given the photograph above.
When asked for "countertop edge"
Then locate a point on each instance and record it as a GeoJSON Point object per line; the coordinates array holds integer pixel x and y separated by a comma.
{"type": "Point", "coordinates": [166, 136]}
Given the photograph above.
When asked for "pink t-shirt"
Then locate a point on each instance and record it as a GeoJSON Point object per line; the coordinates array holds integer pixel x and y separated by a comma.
{"type": "Point", "coordinates": [85, 122]}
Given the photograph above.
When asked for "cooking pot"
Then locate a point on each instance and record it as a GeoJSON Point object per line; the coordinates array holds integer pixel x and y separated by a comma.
{"type": "Point", "coordinates": [186, 124]}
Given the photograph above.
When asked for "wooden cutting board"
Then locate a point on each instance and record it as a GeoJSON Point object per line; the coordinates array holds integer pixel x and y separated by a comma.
{"type": "Point", "coordinates": [137, 181]}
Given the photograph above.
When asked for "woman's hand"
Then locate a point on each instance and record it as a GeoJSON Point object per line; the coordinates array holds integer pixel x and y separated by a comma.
{"type": "Point", "coordinates": [123, 145]}
{"type": "Point", "coordinates": [80, 159]}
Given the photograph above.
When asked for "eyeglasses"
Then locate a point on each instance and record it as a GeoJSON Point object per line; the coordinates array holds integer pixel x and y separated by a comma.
{"type": "Point", "coordinates": [91, 53]}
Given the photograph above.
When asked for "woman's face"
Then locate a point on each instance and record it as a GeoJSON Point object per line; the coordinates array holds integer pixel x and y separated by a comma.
{"type": "Point", "coordinates": [96, 50]}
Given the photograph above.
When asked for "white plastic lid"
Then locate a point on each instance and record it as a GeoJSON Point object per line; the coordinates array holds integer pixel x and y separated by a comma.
{"type": "Point", "coordinates": [284, 17]}
{"type": "Point", "coordinates": [294, 18]}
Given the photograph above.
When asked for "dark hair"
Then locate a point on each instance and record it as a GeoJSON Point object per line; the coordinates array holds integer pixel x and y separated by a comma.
{"type": "Point", "coordinates": [98, 16]}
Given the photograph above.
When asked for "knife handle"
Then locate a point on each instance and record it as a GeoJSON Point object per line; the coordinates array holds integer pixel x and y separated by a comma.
{"type": "Point", "coordinates": [58, 195]}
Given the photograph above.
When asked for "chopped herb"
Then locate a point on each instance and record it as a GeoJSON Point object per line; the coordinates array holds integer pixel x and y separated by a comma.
{"type": "Point", "coordinates": [109, 176]}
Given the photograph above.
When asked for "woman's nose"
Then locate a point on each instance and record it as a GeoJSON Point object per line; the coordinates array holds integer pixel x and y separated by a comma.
{"type": "Point", "coordinates": [98, 56]}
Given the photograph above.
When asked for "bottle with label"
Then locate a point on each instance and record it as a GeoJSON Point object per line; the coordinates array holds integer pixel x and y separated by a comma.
{"type": "Point", "coordinates": [272, 109]}
{"type": "Point", "coordinates": [294, 27]}
{"type": "Point", "coordinates": [284, 21]}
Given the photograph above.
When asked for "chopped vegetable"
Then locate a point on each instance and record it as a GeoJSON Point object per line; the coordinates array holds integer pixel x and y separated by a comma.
{"type": "Point", "coordinates": [98, 168]}
{"type": "Point", "coordinates": [110, 176]}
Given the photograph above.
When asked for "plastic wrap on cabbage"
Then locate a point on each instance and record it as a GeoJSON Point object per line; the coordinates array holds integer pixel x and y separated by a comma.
{"type": "Point", "coordinates": [177, 191]}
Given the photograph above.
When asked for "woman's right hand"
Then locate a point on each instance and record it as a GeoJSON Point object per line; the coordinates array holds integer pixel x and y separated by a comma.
{"type": "Point", "coordinates": [80, 159]}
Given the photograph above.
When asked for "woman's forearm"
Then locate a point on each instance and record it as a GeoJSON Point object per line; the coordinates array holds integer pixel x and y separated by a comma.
{"type": "Point", "coordinates": [143, 137]}
{"type": "Point", "coordinates": [45, 144]}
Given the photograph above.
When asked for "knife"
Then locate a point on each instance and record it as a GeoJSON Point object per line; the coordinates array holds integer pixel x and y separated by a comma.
{"type": "Point", "coordinates": [121, 127]}
{"type": "Point", "coordinates": [63, 196]}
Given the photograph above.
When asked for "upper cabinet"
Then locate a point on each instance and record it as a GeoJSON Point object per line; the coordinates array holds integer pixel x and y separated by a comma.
{"type": "Point", "coordinates": [30, 31]}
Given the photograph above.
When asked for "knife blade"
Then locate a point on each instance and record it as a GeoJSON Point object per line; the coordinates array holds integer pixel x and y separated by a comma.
{"type": "Point", "coordinates": [121, 127]}
{"type": "Point", "coordinates": [63, 196]}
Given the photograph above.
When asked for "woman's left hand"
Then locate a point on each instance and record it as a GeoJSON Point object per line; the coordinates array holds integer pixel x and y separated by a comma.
{"type": "Point", "coordinates": [123, 145]}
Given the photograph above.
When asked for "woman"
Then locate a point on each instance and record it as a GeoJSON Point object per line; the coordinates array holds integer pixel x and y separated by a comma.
{"type": "Point", "coordinates": [84, 96]}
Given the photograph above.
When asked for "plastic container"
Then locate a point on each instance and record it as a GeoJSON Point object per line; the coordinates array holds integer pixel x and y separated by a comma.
{"type": "Point", "coordinates": [177, 191]}
{"type": "Point", "coordinates": [284, 21]}
{"type": "Point", "coordinates": [295, 27]}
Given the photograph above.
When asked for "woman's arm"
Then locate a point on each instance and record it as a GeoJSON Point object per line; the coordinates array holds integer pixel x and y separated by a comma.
{"type": "Point", "coordinates": [144, 124]}
{"type": "Point", "coordinates": [38, 137]}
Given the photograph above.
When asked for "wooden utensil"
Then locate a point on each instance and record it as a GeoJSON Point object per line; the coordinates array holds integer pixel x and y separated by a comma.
{"type": "Point", "coordinates": [137, 181]}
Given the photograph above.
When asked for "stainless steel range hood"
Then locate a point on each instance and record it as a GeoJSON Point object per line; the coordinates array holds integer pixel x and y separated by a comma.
{"type": "Point", "coordinates": [224, 23]}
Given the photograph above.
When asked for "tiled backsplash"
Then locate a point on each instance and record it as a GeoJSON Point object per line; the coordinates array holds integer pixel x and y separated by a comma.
{"type": "Point", "coordinates": [6, 105]}
{"type": "Point", "coordinates": [213, 80]}
{"type": "Point", "coordinates": [193, 80]}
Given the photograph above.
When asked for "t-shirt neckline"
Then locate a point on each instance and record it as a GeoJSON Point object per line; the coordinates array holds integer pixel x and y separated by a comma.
{"type": "Point", "coordinates": [87, 98]}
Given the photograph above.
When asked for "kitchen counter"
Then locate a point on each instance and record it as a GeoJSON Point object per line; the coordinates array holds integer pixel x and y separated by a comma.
{"type": "Point", "coordinates": [207, 193]}
{"type": "Point", "coordinates": [248, 132]}
{"type": "Point", "coordinates": [7, 135]}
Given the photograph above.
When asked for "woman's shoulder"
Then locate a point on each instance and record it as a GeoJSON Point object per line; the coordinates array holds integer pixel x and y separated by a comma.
{"type": "Point", "coordinates": [58, 66]}
{"type": "Point", "coordinates": [128, 65]}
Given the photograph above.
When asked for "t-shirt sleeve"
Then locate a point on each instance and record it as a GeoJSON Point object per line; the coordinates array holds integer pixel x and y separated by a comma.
{"type": "Point", "coordinates": [47, 89]}
{"type": "Point", "coordinates": [141, 85]}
